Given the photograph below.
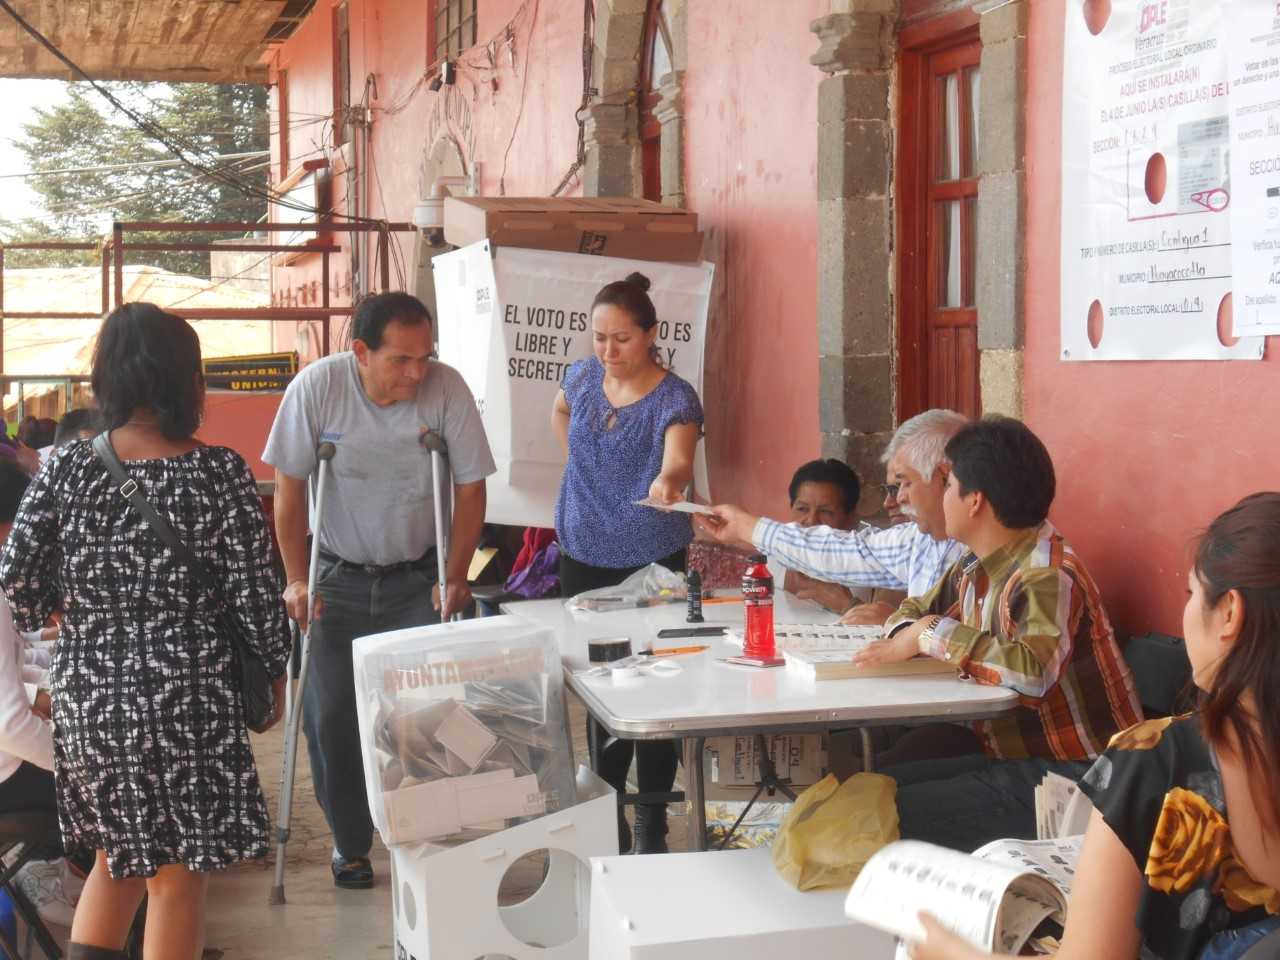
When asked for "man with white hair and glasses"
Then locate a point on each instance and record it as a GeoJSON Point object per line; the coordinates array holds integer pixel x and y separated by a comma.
{"type": "Point", "coordinates": [907, 556]}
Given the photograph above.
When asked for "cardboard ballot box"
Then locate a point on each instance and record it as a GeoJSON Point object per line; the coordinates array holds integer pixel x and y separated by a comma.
{"type": "Point", "coordinates": [608, 226]}
{"type": "Point", "coordinates": [730, 905]}
{"type": "Point", "coordinates": [731, 762]}
{"type": "Point", "coordinates": [445, 899]}
{"type": "Point", "coordinates": [462, 727]}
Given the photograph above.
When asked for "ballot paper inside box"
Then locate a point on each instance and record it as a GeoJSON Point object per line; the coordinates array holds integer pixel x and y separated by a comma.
{"type": "Point", "coordinates": [457, 902]}
{"type": "Point", "coordinates": [462, 727]}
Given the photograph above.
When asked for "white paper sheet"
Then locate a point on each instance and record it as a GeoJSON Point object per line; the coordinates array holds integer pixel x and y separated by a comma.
{"type": "Point", "coordinates": [1252, 28]}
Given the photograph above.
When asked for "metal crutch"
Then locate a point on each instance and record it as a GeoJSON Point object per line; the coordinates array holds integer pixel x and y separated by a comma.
{"type": "Point", "coordinates": [293, 718]}
{"type": "Point", "coordinates": [439, 451]}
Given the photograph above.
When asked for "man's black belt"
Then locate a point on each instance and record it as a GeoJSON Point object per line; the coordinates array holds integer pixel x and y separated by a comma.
{"type": "Point", "coordinates": [381, 570]}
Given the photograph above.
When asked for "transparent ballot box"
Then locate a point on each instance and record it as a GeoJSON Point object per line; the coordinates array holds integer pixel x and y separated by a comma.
{"type": "Point", "coordinates": [463, 728]}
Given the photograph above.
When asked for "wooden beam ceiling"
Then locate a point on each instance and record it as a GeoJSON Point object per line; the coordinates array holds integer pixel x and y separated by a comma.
{"type": "Point", "coordinates": [214, 41]}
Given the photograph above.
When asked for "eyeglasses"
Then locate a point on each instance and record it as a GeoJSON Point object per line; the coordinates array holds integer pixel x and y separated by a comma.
{"type": "Point", "coordinates": [890, 490]}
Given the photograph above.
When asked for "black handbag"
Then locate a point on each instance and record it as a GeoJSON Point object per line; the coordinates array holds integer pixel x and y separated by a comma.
{"type": "Point", "coordinates": [255, 684]}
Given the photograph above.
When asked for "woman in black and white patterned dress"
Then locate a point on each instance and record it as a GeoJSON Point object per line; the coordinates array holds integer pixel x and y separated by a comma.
{"type": "Point", "coordinates": [152, 760]}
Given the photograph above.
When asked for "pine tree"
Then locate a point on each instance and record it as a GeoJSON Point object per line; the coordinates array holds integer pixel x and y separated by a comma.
{"type": "Point", "coordinates": [86, 131]}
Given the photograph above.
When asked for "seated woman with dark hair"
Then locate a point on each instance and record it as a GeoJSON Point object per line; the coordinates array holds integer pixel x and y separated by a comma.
{"type": "Point", "coordinates": [154, 769]}
{"type": "Point", "coordinates": [1180, 860]}
{"type": "Point", "coordinates": [826, 493]}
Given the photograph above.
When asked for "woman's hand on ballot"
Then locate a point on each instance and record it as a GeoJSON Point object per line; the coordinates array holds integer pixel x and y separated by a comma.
{"type": "Point", "coordinates": [727, 524]}
{"type": "Point", "coordinates": [941, 944]}
{"type": "Point", "coordinates": [664, 490]}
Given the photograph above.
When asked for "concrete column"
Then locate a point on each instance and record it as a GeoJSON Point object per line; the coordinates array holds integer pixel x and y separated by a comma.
{"type": "Point", "coordinates": [613, 154]}
{"type": "Point", "coordinates": [855, 261]}
{"type": "Point", "coordinates": [670, 113]}
{"type": "Point", "coordinates": [612, 141]}
{"type": "Point", "coordinates": [1002, 206]}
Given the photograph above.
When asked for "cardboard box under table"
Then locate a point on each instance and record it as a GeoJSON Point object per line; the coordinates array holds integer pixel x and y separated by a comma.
{"type": "Point", "coordinates": [718, 906]}
{"type": "Point", "coordinates": [608, 226]}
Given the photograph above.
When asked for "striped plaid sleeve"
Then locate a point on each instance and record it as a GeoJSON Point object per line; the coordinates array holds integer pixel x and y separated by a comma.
{"type": "Point", "coordinates": [1032, 637]}
{"type": "Point", "coordinates": [940, 599]}
{"type": "Point", "coordinates": [864, 558]}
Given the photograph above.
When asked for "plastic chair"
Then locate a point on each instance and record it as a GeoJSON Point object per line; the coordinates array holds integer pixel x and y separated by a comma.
{"type": "Point", "coordinates": [1161, 672]}
{"type": "Point", "coordinates": [26, 833]}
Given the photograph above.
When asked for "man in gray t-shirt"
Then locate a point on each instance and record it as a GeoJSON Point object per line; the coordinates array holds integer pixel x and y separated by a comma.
{"type": "Point", "coordinates": [377, 533]}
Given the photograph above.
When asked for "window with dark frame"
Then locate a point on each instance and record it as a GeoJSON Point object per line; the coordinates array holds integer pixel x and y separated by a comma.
{"type": "Point", "coordinates": [455, 27]}
{"type": "Point", "coordinates": [341, 76]}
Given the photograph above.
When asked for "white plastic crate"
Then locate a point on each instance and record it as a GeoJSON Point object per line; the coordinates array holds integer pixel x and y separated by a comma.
{"type": "Point", "coordinates": [446, 899]}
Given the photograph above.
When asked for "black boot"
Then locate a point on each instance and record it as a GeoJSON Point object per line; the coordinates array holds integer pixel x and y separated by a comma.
{"type": "Point", "coordinates": [651, 828]}
{"type": "Point", "coordinates": [83, 951]}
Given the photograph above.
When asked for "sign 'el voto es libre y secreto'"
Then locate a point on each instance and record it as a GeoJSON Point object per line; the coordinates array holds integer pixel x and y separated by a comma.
{"type": "Point", "coordinates": [513, 320]}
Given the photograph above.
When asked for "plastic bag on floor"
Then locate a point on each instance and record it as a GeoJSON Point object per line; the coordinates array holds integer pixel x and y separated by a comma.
{"type": "Point", "coordinates": [834, 828]}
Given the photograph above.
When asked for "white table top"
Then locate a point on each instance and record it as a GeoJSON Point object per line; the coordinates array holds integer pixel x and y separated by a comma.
{"type": "Point", "coordinates": [727, 904]}
{"type": "Point", "coordinates": [707, 697]}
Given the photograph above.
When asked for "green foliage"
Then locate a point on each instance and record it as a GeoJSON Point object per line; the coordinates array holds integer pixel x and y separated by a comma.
{"type": "Point", "coordinates": [86, 131]}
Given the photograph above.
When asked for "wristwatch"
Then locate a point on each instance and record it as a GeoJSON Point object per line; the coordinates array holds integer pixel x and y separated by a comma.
{"type": "Point", "coordinates": [925, 639]}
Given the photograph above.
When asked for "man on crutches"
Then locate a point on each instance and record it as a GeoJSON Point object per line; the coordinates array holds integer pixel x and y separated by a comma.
{"type": "Point", "coordinates": [376, 531]}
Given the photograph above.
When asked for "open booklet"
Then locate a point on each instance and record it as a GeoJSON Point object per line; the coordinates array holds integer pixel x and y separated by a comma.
{"type": "Point", "coordinates": [994, 897]}
{"type": "Point", "coordinates": [826, 652]}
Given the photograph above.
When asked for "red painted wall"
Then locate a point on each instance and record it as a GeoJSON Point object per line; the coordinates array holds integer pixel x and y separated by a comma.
{"type": "Point", "coordinates": [241, 421]}
{"type": "Point", "coordinates": [1147, 453]}
{"type": "Point", "coordinates": [751, 142]}
{"type": "Point", "coordinates": [751, 174]}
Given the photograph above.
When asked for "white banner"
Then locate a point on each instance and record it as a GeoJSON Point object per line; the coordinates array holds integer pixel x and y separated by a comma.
{"type": "Point", "coordinates": [1253, 51]}
{"type": "Point", "coordinates": [512, 321]}
{"type": "Point", "coordinates": [1146, 187]}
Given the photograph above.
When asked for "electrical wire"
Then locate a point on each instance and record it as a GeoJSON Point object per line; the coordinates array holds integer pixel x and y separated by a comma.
{"type": "Point", "coordinates": [588, 91]}
{"type": "Point", "coordinates": [165, 137]}
{"type": "Point", "coordinates": [524, 86]}
{"type": "Point", "coordinates": [133, 165]}
{"type": "Point", "coordinates": [72, 207]}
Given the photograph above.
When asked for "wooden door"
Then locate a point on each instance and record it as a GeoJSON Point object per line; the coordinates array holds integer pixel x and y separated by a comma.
{"type": "Point", "coordinates": [938, 320]}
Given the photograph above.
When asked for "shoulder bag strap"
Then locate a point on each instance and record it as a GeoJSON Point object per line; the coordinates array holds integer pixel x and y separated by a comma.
{"type": "Point", "coordinates": [128, 488]}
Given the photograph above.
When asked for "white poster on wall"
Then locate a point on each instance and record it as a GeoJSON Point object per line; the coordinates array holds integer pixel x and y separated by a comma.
{"type": "Point", "coordinates": [1146, 184]}
{"type": "Point", "coordinates": [512, 321]}
{"type": "Point", "coordinates": [1253, 52]}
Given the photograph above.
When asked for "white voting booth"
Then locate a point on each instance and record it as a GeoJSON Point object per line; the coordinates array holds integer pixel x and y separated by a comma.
{"type": "Point", "coordinates": [513, 320]}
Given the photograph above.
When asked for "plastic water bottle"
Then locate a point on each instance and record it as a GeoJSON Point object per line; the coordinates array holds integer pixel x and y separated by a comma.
{"type": "Point", "coordinates": [8, 922]}
{"type": "Point", "coordinates": [757, 596]}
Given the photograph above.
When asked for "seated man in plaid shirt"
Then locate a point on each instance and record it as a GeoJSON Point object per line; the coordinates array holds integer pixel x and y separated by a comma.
{"type": "Point", "coordinates": [1020, 610]}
